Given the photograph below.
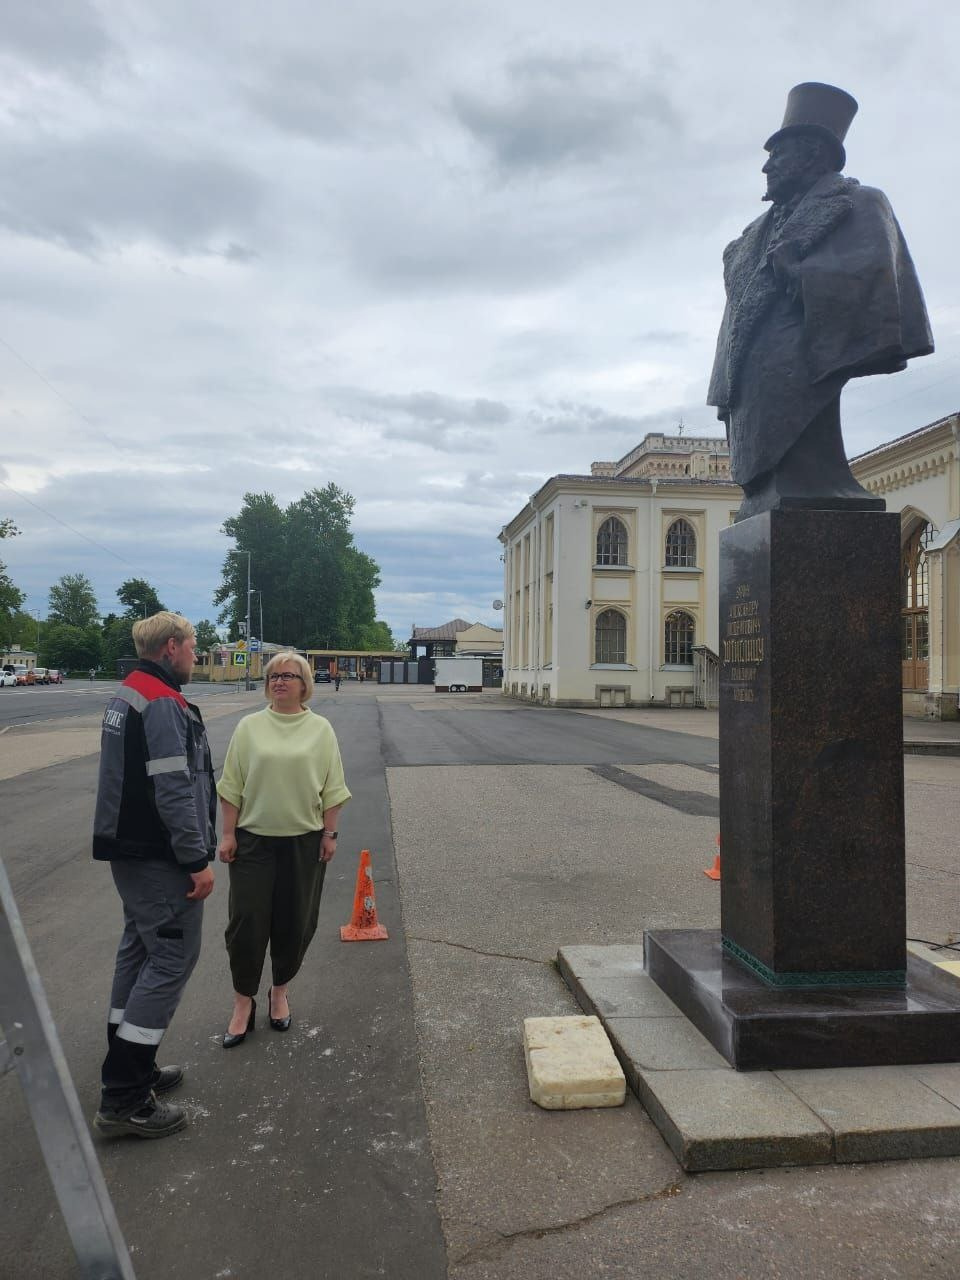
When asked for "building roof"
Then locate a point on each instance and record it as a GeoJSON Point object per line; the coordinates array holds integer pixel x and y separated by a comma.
{"type": "Point", "coordinates": [649, 484]}
{"type": "Point", "coordinates": [915, 435]}
{"type": "Point", "coordinates": [646, 457]}
{"type": "Point", "coordinates": [643, 482]}
{"type": "Point", "coordinates": [447, 631]}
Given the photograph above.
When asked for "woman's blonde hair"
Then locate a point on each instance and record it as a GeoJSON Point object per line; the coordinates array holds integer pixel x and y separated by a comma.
{"type": "Point", "coordinates": [151, 634]}
{"type": "Point", "coordinates": [303, 669]}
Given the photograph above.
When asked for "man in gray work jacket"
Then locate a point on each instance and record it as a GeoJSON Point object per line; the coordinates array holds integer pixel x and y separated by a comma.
{"type": "Point", "coordinates": [154, 824]}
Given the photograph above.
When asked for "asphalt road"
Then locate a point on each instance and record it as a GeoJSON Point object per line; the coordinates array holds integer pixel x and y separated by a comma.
{"type": "Point", "coordinates": [36, 704]}
{"type": "Point", "coordinates": [307, 1153]}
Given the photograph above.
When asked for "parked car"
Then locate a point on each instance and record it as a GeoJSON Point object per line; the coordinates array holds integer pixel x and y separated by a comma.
{"type": "Point", "coordinates": [24, 674]}
{"type": "Point", "coordinates": [54, 676]}
{"type": "Point", "coordinates": [40, 675]}
{"type": "Point", "coordinates": [322, 677]}
{"type": "Point", "coordinates": [7, 677]}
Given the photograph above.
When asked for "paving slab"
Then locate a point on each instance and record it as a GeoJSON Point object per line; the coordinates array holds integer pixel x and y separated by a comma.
{"type": "Point", "coordinates": [942, 1078]}
{"type": "Point", "coordinates": [878, 1113]}
{"type": "Point", "coordinates": [634, 995]}
{"type": "Point", "coordinates": [719, 1118]}
{"type": "Point", "coordinates": [662, 1044]}
{"type": "Point", "coordinates": [614, 961]}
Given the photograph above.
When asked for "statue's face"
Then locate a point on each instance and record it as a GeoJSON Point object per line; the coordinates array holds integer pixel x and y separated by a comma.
{"type": "Point", "coordinates": [789, 168]}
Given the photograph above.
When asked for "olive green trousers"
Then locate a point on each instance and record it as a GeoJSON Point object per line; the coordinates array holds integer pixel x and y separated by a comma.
{"type": "Point", "coordinates": [275, 887]}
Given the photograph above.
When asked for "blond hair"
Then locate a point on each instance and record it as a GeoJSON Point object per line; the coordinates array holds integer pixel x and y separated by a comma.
{"type": "Point", "coordinates": [303, 670]}
{"type": "Point", "coordinates": [151, 634]}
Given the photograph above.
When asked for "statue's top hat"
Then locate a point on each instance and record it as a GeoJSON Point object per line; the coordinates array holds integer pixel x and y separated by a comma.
{"type": "Point", "coordinates": [820, 109]}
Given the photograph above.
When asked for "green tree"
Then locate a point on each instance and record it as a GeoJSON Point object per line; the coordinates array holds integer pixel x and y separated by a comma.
{"type": "Point", "coordinates": [258, 528]}
{"type": "Point", "coordinates": [319, 544]}
{"type": "Point", "coordinates": [139, 597]}
{"type": "Point", "coordinates": [72, 648]}
{"type": "Point", "coordinates": [207, 636]}
{"type": "Point", "coordinates": [11, 597]}
{"type": "Point", "coordinates": [116, 641]}
{"type": "Point", "coordinates": [73, 602]}
{"type": "Point", "coordinates": [23, 629]}
{"type": "Point", "coordinates": [377, 636]}
{"type": "Point", "coordinates": [317, 586]}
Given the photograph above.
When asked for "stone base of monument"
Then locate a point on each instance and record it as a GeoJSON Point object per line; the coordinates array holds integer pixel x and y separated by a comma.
{"type": "Point", "coordinates": [754, 1025]}
{"type": "Point", "coordinates": [715, 1117]}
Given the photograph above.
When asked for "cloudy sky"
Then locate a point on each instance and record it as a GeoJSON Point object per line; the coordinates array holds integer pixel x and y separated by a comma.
{"type": "Point", "coordinates": [434, 251]}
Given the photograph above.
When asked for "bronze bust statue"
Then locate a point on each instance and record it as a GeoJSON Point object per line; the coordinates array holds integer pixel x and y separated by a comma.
{"type": "Point", "coordinates": [820, 289]}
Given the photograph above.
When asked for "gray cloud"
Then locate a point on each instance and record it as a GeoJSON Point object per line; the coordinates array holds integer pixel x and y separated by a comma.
{"type": "Point", "coordinates": [662, 338]}
{"type": "Point", "coordinates": [319, 95]}
{"type": "Point", "coordinates": [439, 422]}
{"type": "Point", "coordinates": [111, 189]}
{"type": "Point", "coordinates": [65, 36]}
{"type": "Point", "coordinates": [558, 111]}
{"type": "Point", "coordinates": [603, 429]}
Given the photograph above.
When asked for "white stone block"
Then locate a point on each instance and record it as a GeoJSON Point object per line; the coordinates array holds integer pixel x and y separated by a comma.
{"type": "Point", "coordinates": [571, 1064]}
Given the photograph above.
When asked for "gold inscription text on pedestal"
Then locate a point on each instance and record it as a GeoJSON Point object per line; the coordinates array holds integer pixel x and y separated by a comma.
{"type": "Point", "coordinates": [743, 650]}
{"type": "Point", "coordinates": [742, 645]}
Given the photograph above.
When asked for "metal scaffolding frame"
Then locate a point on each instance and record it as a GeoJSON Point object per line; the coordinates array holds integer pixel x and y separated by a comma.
{"type": "Point", "coordinates": [29, 1044]}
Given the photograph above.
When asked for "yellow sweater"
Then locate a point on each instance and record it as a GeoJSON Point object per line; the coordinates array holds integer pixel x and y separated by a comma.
{"type": "Point", "coordinates": [282, 772]}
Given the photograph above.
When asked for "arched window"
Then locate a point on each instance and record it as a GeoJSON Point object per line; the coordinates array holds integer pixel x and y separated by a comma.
{"type": "Point", "coordinates": [611, 637]}
{"type": "Point", "coordinates": [612, 542]}
{"type": "Point", "coordinates": [681, 545]}
{"type": "Point", "coordinates": [678, 630]}
{"type": "Point", "coordinates": [914, 606]}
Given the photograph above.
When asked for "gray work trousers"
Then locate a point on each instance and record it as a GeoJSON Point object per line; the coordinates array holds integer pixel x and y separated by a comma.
{"type": "Point", "coordinates": [158, 950]}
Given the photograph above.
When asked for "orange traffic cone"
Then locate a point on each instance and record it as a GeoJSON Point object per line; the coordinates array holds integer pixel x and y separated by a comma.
{"type": "Point", "coordinates": [713, 873]}
{"type": "Point", "coordinates": [363, 926]}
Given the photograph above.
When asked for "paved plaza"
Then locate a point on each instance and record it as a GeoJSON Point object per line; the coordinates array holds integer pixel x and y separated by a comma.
{"type": "Point", "coordinates": [391, 1133]}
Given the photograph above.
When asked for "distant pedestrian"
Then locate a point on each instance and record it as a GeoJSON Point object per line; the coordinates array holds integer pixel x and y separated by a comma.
{"type": "Point", "coordinates": [336, 682]}
{"type": "Point", "coordinates": [93, 672]}
{"type": "Point", "coordinates": [281, 793]}
{"type": "Point", "coordinates": [155, 825]}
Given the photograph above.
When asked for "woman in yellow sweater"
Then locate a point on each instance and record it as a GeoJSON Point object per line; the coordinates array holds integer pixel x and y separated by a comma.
{"type": "Point", "coordinates": [281, 793]}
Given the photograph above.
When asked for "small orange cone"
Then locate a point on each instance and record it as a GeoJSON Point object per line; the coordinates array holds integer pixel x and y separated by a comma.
{"type": "Point", "coordinates": [713, 873]}
{"type": "Point", "coordinates": [363, 926]}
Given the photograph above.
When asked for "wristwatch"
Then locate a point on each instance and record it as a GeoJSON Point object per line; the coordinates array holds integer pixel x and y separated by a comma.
{"type": "Point", "coordinates": [332, 834]}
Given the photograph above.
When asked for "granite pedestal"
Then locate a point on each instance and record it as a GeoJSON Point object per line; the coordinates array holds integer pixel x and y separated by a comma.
{"type": "Point", "coordinates": [813, 970]}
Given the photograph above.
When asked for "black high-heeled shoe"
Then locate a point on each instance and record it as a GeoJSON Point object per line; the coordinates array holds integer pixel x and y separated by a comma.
{"type": "Point", "coordinates": [230, 1040]}
{"type": "Point", "coordinates": [276, 1024]}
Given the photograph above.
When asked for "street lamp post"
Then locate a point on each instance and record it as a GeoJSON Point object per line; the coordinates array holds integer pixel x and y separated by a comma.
{"type": "Point", "coordinates": [236, 552]}
{"type": "Point", "coordinates": [259, 594]}
{"type": "Point", "coordinates": [247, 685]}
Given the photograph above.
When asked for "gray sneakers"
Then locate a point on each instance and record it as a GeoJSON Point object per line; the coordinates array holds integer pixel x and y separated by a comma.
{"type": "Point", "coordinates": [153, 1120]}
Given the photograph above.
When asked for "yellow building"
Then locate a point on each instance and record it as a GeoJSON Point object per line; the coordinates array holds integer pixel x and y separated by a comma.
{"type": "Point", "coordinates": [611, 579]}
{"type": "Point", "coordinates": [918, 475]}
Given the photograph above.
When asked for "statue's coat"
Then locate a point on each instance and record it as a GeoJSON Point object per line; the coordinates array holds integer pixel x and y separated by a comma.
{"type": "Point", "coordinates": [858, 310]}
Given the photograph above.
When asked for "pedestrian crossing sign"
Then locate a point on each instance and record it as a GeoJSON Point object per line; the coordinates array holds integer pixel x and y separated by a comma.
{"type": "Point", "coordinates": [240, 658]}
